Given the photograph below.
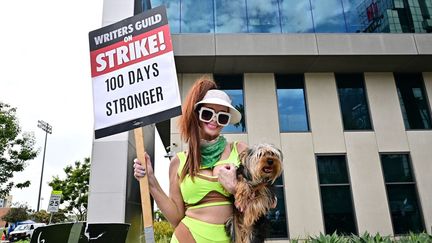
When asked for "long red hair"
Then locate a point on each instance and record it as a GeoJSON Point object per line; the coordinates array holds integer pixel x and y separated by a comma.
{"type": "Point", "coordinates": [189, 124]}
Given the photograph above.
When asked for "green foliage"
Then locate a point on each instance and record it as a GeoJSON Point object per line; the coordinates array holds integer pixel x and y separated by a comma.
{"type": "Point", "coordinates": [15, 149]}
{"type": "Point", "coordinates": [333, 238]}
{"type": "Point", "coordinates": [16, 214]}
{"type": "Point", "coordinates": [43, 216]}
{"type": "Point", "coordinates": [74, 188]}
{"type": "Point", "coordinates": [366, 238]}
{"type": "Point", "coordinates": [158, 215]}
{"type": "Point", "coordinates": [163, 231]}
{"type": "Point", "coordinates": [416, 238]}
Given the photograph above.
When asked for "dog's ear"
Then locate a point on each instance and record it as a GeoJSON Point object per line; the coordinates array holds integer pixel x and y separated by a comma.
{"type": "Point", "coordinates": [281, 154]}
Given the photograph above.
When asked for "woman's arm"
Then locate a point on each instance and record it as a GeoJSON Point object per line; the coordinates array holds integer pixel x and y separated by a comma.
{"type": "Point", "coordinates": [171, 206]}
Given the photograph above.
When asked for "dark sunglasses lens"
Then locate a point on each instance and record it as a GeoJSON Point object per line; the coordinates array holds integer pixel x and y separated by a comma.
{"type": "Point", "coordinates": [223, 119]}
{"type": "Point", "coordinates": [206, 115]}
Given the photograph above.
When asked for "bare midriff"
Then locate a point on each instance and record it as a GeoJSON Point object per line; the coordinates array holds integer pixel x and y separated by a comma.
{"type": "Point", "coordinates": [213, 214]}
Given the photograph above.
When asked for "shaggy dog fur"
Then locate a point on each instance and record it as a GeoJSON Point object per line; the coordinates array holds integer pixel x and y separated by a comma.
{"type": "Point", "coordinates": [260, 166]}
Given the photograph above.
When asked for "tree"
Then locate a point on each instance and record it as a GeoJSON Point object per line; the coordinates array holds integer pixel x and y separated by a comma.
{"type": "Point", "coordinates": [74, 188]}
{"type": "Point", "coordinates": [43, 216]}
{"type": "Point", "coordinates": [16, 214]}
{"type": "Point", "coordinates": [15, 149]}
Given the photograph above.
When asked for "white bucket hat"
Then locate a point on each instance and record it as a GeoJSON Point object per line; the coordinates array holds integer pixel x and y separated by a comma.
{"type": "Point", "coordinates": [218, 97]}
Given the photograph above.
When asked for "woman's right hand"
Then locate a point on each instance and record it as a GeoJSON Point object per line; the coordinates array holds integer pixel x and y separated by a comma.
{"type": "Point", "coordinates": [140, 170]}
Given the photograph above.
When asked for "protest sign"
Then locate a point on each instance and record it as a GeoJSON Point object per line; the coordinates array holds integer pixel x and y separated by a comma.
{"type": "Point", "coordinates": [133, 73]}
{"type": "Point", "coordinates": [134, 83]}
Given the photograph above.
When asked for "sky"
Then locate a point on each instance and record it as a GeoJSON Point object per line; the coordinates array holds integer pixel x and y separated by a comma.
{"type": "Point", "coordinates": [45, 74]}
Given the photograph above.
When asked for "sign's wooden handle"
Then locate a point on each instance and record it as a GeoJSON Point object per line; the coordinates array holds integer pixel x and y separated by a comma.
{"type": "Point", "coordinates": [144, 187]}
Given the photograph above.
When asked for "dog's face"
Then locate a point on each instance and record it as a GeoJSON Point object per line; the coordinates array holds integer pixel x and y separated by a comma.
{"type": "Point", "coordinates": [262, 162]}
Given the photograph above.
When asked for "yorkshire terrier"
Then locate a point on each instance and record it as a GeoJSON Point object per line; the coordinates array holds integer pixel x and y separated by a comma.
{"type": "Point", "coordinates": [260, 166]}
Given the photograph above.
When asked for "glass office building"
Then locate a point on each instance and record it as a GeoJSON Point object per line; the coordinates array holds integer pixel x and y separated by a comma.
{"type": "Point", "coordinates": [343, 87]}
{"type": "Point", "coordinates": [298, 16]}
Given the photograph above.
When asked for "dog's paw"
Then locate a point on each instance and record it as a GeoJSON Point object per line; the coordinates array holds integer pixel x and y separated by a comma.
{"type": "Point", "coordinates": [239, 207]}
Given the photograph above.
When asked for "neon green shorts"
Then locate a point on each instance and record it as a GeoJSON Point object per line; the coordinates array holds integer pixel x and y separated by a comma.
{"type": "Point", "coordinates": [204, 232]}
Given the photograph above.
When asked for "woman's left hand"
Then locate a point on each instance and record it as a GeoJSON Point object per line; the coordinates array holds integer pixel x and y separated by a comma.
{"type": "Point", "coordinates": [228, 177]}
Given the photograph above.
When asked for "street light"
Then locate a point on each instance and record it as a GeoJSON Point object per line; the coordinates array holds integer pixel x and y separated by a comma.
{"type": "Point", "coordinates": [48, 129]}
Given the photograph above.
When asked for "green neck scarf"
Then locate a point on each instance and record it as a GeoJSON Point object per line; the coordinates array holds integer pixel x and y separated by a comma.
{"type": "Point", "coordinates": [211, 152]}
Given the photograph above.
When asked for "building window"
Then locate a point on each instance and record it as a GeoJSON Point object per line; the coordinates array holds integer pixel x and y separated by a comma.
{"type": "Point", "coordinates": [277, 216]}
{"type": "Point", "coordinates": [291, 103]}
{"type": "Point", "coordinates": [296, 16]}
{"type": "Point", "coordinates": [263, 16]}
{"type": "Point", "coordinates": [328, 16]}
{"type": "Point", "coordinates": [231, 16]}
{"type": "Point", "coordinates": [233, 86]}
{"type": "Point", "coordinates": [336, 196]}
{"type": "Point", "coordinates": [352, 100]}
{"type": "Point", "coordinates": [172, 9]}
{"type": "Point", "coordinates": [413, 100]}
{"type": "Point", "coordinates": [196, 16]}
{"type": "Point", "coordinates": [401, 194]}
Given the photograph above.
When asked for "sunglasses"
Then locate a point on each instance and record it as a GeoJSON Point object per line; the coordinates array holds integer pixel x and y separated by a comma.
{"type": "Point", "coordinates": [207, 114]}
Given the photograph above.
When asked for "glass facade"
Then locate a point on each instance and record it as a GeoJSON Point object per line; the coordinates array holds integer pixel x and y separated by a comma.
{"type": "Point", "coordinates": [402, 194]}
{"type": "Point", "coordinates": [353, 102]}
{"type": "Point", "coordinates": [291, 103]}
{"type": "Point", "coordinates": [336, 196]}
{"type": "Point", "coordinates": [233, 86]}
{"type": "Point", "coordinates": [298, 16]}
{"type": "Point", "coordinates": [413, 100]}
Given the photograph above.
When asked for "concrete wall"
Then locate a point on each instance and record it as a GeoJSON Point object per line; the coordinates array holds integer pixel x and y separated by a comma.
{"type": "Point", "coordinates": [302, 52]}
{"type": "Point", "coordinates": [367, 183]}
{"type": "Point", "coordinates": [386, 112]}
{"type": "Point", "coordinates": [324, 113]}
{"type": "Point", "coordinates": [301, 186]}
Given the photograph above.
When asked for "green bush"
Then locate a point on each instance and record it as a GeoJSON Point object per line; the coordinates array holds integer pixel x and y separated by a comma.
{"type": "Point", "coordinates": [163, 231]}
{"type": "Point", "coordinates": [416, 238]}
{"type": "Point", "coordinates": [366, 238]}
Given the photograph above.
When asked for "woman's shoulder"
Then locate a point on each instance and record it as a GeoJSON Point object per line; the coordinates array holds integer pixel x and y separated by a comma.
{"type": "Point", "coordinates": [175, 163]}
{"type": "Point", "coordinates": [240, 146]}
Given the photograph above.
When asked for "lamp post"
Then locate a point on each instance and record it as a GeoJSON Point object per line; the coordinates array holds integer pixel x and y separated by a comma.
{"type": "Point", "coordinates": [48, 129]}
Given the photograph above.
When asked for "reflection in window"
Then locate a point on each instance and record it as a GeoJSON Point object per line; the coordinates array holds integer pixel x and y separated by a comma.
{"type": "Point", "coordinates": [277, 216]}
{"type": "Point", "coordinates": [353, 13]}
{"type": "Point", "coordinates": [233, 86]}
{"type": "Point", "coordinates": [291, 103]}
{"type": "Point", "coordinates": [352, 99]}
{"type": "Point", "coordinates": [328, 16]}
{"type": "Point", "coordinates": [401, 193]}
{"type": "Point", "coordinates": [413, 101]}
{"type": "Point", "coordinates": [173, 12]}
{"type": "Point", "coordinates": [231, 16]}
{"type": "Point", "coordinates": [197, 16]}
{"type": "Point", "coordinates": [296, 16]}
{"type": "Point", "coordinates": [336, 195]}
{"type": "Point", "coordinates": [263, 16]}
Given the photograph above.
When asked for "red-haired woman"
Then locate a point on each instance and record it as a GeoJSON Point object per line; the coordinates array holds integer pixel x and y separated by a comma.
{"type": "Point", "coordinates": [203, 178]}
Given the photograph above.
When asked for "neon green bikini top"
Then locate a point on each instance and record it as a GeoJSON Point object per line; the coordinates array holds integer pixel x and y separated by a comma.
{"type": "Point", "coordinates": [195, 191]}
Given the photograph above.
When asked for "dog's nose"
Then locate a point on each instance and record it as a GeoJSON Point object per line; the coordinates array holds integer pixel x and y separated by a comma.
{"type": "Point", "coordinates": [270, 161]}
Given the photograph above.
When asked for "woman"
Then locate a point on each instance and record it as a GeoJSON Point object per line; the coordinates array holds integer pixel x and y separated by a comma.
{"type": "Point", "coordinates": [203, 178]}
